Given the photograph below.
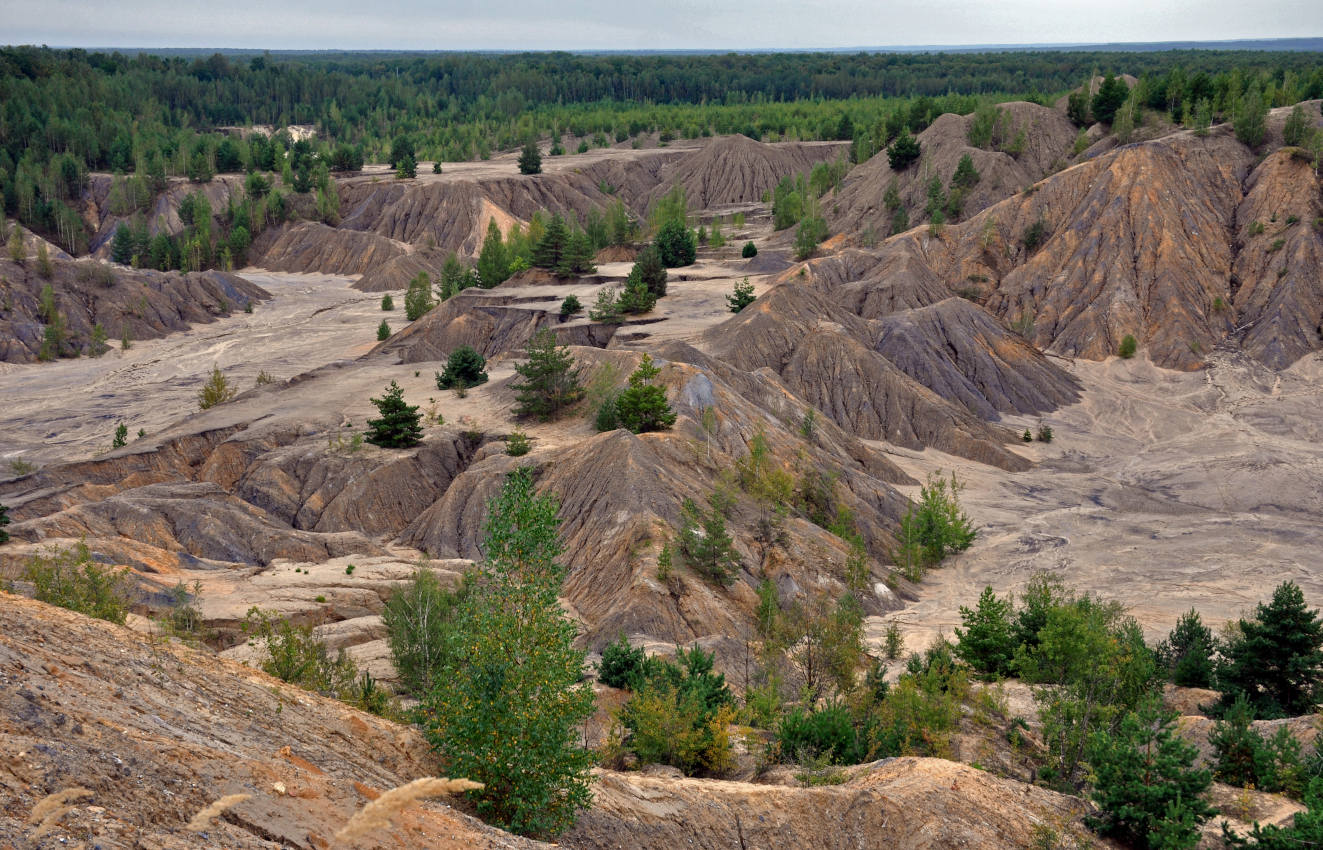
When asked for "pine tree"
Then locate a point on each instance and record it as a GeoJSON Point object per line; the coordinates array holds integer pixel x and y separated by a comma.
{"type": "Point", "coordinates": [549, 251]}
{"type": "Point", "coordinates": [577, 257]}
{"type": "Point", "coordinates": [651, 270]}
{"type": "Point", "coordinates": [121, 437]}
{"type": "Point", "coordinates": [406, 170]}
{"type": "Point", "coordinates": [742, 297]}
{"type": "Point", "coordinates": [508, 703]}
{"type": "Point", "coordinates": [966, 176]}
{"type": "Point", "coordinates": [399, 426]}
{"type": "Point", "coordinates": [383, 331]}
{"type": "Point", "coordinates": [387, 303]}
{"type": "Point", "coordinates": [1250, 118]}
{"type": "Point", "coordinates": [530, 159]}
{"type": "Point", "coordinates": [551, 380]}
{"type": "Point", "coordinates": [97, 345]}
{"type": "Point", "coordinates": [1111, 94]}
{"type": "Point", "coordinates": [494, 260]}
{"type": "Point", "coordinates": [988, 641]}
{"type": "Point", "coordinates": [642, 406]}
{"type": "Point", "coordinates": [1276, 660]}
{"type": "Point", "coordinates": [18, 252]}
{"type": "Point", "coordinates": [464, 368]}
{"type": "Point", "coordinates": [1150, 793]}
{"type": "Point", "coordinates": [1297, 129]}
{"type": "Point", "coordinates": [675, 244]}
{"type": "Point", "coordinates": [44, 267]}
{"type": "Point", "coordinates": [121, 246]}
{"type": "Point", "coordinates": [1187, 653]}
{"type": "Point", "coordinates": [705, 544]}
{"type": "Point", "coordinates": [903, 152]}
{"type": "Point", "coordinates": [4, 520]}
{"type": "Point", "coordinates": [216, 390]}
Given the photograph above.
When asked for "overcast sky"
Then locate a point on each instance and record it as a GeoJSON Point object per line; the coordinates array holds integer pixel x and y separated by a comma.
{"type": "Point", "coordinates": [633, 25]}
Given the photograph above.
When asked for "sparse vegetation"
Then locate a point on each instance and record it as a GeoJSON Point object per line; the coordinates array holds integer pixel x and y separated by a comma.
{"type": "Point", "coordinates": [550, 378]}
{"type": "Point", "coordinates": [517, 444]}
{"type": "Point", "coordinates": [749, 250]}
{"type": "Point", "coordinates": [1127, 348]}
{"type": "Point", "coordinates": [704, 542]}
{"type": "Point", "coordinates": [642, 406]}
{"type": "Point", "coordinates": [387, 303]}
{"type": "Point", "coordinates": [71, 578]}
{"type": "Point", "coordinates": [217, 390]}
{"type": "Point", "coordinates": [933, 528]}
{"type": "Point", "coordinates": [742, 296]}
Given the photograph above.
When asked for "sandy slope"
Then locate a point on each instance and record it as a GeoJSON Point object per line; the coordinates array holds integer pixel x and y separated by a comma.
{"type": "Point", "coordinates": [68, 410]}
{"type": "Point", "coordinates": [1162, 489]}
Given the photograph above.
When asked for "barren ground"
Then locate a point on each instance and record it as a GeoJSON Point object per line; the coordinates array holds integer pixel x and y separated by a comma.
{"type": "Point", "coordinates": [1161, 489]}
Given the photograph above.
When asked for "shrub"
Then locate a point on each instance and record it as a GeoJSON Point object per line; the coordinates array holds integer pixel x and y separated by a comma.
{"type": "Point", "coordinates": [623, 666]}
{"type": "Point", "coordinates": [530, 159]}
{"type": "Point", "coordinates": [636, 298]}
{"type": "Point", "coordinates": [606, 308]}
{"type": "Point", "coordinates": [742, 297]}
{"type": "Point", "coordinates": [217, 390]}
{"type": "Point", "coordinates": [704, 543]}
{"type": "Point", "coordinates": [570, 306]}
{"type": "Point", "coordinates": [550, 378]}
{"type": "Point", "coordinates": [651, 270]}
{"type": "Point", "coordinates": [1186, 655]}
{"type": "Point", "coordinates": [399, 425]}
{"type": "Point", "coordinates": [418, 299]}
{"type": "Point", "coordinates": [464, 367]}
{"type": "Point", "coordinates": [294, 654]}
{"type": "Point", "coordinates": [749, 250]}
{"type": "Point", "coordinates": [903, 152]}
{"type": "Point", "coordinates": [642, 406]}
{"type": "Point", "coordinates": [679, 715]}
{"type": "Point", "coordinates": [4, 520]}
{"type": "Point", "coordinates": [933, 528]}
{"type": "Point", "coordinates": [383, 331]}
{"type": "Point", "coordinates": [69, 578]}
{"type": "Point", "coordinates": [827, 732]}
{"type": "Point", "coordinates": [987, 643]}
{"type": "Point", "coordinates": [1035, 234]}
{"type": "Point", "coordinates": [1128, 347]}
{"type": "Point", "coordinates": [1044, 433]}
{"type": "Point", "coordinates": [387, 303]}
{"type": "Point", "coordinates": [518, 444]}
{"type": "Point", "coordinates": [417, 617]}
{"type": "Point", "coordinates": [607, 417]}
{"type": "Point", "coordinates": [675, 244]}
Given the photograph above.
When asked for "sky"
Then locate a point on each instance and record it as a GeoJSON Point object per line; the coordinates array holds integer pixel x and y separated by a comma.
{"type": "Point", "coordinates": [632, 25]}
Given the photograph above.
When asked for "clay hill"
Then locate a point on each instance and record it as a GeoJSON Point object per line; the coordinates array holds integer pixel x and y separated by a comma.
{"type": "Point", "coordinates": [139, 304]}
{"type": "Point", "coordinates": [1185, 242]}
{"type": "Point", "coordinates": [155, 732]}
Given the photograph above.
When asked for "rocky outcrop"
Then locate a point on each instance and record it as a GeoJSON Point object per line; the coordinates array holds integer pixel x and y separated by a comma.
{"type": "Point", "coordinates": [142, 303]}
{"type": "Point", "coordinates": [310, 246]}
{"type": "Point", "coordinates": [957, 350]}
{"type": "Point", "coordinates": [824, 354]}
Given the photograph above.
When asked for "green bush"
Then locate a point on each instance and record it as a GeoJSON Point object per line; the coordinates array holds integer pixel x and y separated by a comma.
{"type": "Point", "coordinates": [570, 306]}
{"type": "Point", "coordinates": [1276, 658]}
{"type": "Point", "coordinates": [705, 544]}
{"type": "Point", "coordinates": [607, 417]}
{"type": "Point", "coordinates": [417, 617]}
{"type": "Point", "coordinates": [387, 303]}
{"type": "Point", "coordinates": [383, 331]}
{"type": "Point", "coordinates": [1128, 347]}
{"type": "Point", "coordinates": [623, 666]}
{"type": "Point", "coordinates": [294, 654]}
{"type": "Point", "coordinates": [464, 367]}
{"type": "Point", "coordinates": [742, 297]}
{"type": "Point", "coordinates": [550, 378]}
{"type": "Point", "coordinates": [418, 298]}
{"type": "Point", "coordinates": [4, 520]}
{"type": "Point", "coordinates": [518, 444]}
{"type": "Point", "coordinates": [827, 732]}
{"type": "Point", "coordinates": [749, 250]}
{"type": "Point", "coordinates": [1035, 234]}
{"type": "Point", "coordinates": [1146, 785]}
{"type": "Point", "coordinates": [69, 578]}
{"type": "Point", "coordinates": [933, 528]}
{"type": "Point", "coordinates": [987, 643]}
{"type": "Point", "coordinates": [903, 152]}
{"type": "Point", "coordinates": [676, 244]}
{"type": "Point", "coordinates": [1187, 653]}
{"type": "Point", "coordinates": [642, 406]}
{"type": "Point", "coordinates": [399, 425]}
{"type": "Point", "coordinates": [679, 714]}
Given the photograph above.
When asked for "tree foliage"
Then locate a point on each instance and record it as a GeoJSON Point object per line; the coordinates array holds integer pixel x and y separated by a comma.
{"type": "Point", "coordinates": [464, 368]}
{"type": "Point", "coordinates": [1275, 658]}
{"type": "Point", "coordinates": [550, 378]}
{"type": "Point", "coordinates": [642, 406]}
{"type": "Point", "coordinates": [398, 425]}
{"type": "Point", "coordinates": [506, 706]}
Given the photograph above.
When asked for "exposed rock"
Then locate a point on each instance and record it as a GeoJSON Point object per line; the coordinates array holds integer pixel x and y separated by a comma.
{"type": "Point", "coordinates": [310, 246]}
{"type": "Point", "coordinates": [879, 807]}
{"type": "Point", "coordinates": [963, 354]}
{"type": "Point", "coordinates": [146, 304]}
{"type": "Point", "coordinates": [737, 169]}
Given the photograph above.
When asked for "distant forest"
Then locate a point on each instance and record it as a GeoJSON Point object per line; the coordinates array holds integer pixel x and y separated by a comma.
{"type": "Point", "coordinates": [68, 112]}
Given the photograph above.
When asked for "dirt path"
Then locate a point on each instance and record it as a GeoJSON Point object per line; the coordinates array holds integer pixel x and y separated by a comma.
{"type": "Point", "coordinates": [68, 410]}
{"type": "Point", "coordinates": [1162, 489]}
